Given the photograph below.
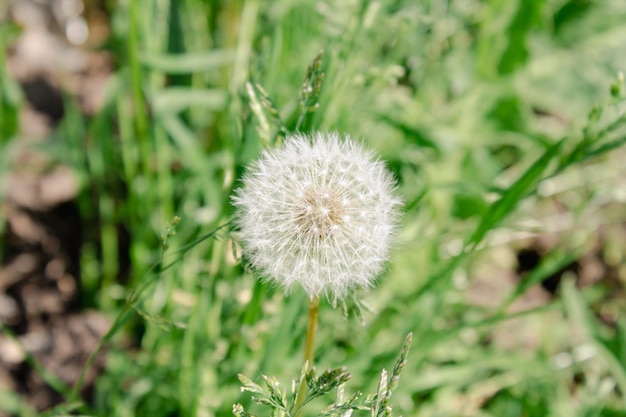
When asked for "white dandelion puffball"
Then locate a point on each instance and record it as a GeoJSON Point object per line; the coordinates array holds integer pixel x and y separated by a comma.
{"type": "Point", "coordinates": [320, 211]}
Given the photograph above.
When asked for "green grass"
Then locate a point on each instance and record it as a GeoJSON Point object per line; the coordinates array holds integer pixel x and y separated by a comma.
{"type": "Point", "coordinates": [496, 117]}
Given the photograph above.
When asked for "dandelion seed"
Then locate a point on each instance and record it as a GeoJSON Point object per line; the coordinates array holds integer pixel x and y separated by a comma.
{"type": "Point", "coordinates": [320, 212]}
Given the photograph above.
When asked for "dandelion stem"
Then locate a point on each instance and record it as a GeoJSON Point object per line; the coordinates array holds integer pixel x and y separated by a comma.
{"type": "Point", "coordinates": [309, 345]}
{"type": "Point", "coordinates": [309, 348]}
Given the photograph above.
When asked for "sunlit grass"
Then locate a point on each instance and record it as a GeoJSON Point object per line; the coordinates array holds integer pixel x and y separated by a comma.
{"type": "Point", "coordinates": [498, 122]}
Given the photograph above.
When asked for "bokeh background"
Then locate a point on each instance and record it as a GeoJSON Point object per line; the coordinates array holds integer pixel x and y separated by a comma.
{"type": "Point", "coordinates": [125, 125]}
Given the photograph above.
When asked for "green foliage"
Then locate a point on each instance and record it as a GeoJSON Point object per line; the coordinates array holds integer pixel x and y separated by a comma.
{"type": "Point", "coordinates": [499, 119]}
{"type": "Point", "coordinates": [377, 404]}
{"type": "Point", "coordinates": [10, 95]}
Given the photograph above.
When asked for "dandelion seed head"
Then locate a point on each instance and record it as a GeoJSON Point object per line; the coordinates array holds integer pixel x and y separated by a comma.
{"type": "Point", "coordinates": [320, 211]}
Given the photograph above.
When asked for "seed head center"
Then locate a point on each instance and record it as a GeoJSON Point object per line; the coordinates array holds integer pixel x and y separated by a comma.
{"type": "Point", "coordinates": [320, 212]}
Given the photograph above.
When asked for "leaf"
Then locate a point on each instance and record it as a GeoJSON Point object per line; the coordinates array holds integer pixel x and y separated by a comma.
{"type": "Point", "coordinates": [513, 195]}
{"type": "Point", "coordinates": [176, 99]}
{"type": "Point", "coordinates": [417, 135]}
{"type": "Point", "coordinates": [580, 315]}
{"type": "Point", "coordinates": [13, 404]}
{"type": "Point", "coordinates": [516, 54]}
{"type": "Point", "coordinates": [65, 410]}
{"type": "Point", "coordinates": [552, 263]}
{"type": "Point", "coordinates": [188, 62]}
{"type": "Point", "coordinates": [186, 140]}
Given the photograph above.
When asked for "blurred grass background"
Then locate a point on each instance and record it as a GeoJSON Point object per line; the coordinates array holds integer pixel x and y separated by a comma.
{"type": "Point", "coordinates": [503, 122]}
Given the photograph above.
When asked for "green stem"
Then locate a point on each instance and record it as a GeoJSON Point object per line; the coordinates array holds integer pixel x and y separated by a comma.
{"type": "Point", "coordinates": [309, 348]}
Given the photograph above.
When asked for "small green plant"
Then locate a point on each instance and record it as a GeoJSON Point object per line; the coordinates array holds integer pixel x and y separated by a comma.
{"type": "Point", "coordinates": [289, 405]}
